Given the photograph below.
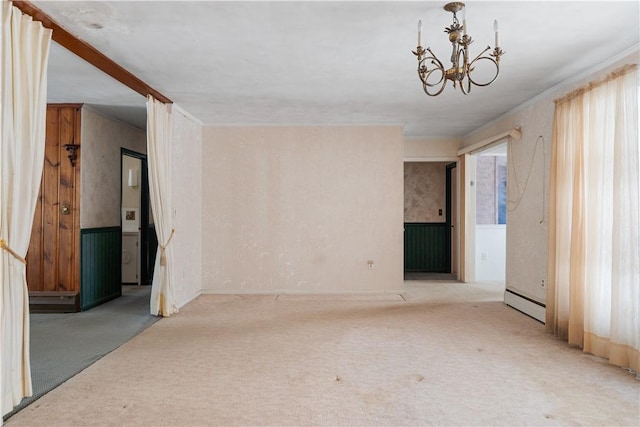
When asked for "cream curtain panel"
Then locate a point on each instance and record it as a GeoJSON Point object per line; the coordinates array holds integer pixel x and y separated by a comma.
{"type": "Point", "coordinates": [594, 257]}
{"type": "Point", "coordinates": [24, 54]}
{"type": "Point", "coordinates": [159, 155]}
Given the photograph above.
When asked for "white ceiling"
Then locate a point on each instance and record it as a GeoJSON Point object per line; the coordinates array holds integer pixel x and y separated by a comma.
{"type": "Point", "coordinates": [327, 62]}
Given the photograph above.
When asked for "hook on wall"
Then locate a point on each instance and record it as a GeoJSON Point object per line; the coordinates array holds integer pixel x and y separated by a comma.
{"type": "Point", "coordinates": [72, 153]}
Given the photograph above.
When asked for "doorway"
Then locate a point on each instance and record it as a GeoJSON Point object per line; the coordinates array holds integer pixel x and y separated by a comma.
{"type": "Point", "coordinates": [428, 219]}
{"type": "Point", "coordinates": [139, 242]}
{"type": "Point", "coordinates": [491, 214]}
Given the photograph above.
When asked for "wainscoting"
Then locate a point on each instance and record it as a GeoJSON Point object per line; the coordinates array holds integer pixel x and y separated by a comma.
{"type": "Point", "coordinates": [100, 266]}
{"type": "Point", "coordinates": [425, 247]}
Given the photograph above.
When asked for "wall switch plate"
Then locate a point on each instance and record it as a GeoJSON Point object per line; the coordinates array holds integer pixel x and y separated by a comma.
{"type": "Point", "coordinates": [440, 212]}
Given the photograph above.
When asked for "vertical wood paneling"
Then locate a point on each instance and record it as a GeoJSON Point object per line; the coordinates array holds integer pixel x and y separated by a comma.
{"type": "Point", "coordinates": [35, 256]}
{"type": "Point", "coordinates": [49, 279]}
{"type": "Point", "coordinates": [53, 256]}
{"type": "Point", "coordinates": [425, 247]}
{"type": "Point", "coordinates": [66, 197]}
{"type": "Point", "coordinates": [101, 266]}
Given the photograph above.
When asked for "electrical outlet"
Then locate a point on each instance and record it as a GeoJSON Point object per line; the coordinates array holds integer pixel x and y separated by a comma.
{"type": "Point", "coordinates": [370, 263]}
{"type": "Point", "coordinates": [542, 283]}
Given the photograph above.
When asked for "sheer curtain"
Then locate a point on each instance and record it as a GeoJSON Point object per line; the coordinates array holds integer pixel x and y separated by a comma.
{"type": "Point", "coordinates": [159, 155]}
{"type": "Point", "coordinates": [24, 54]}
{"type": "Point", "coordinates": [594, 256]}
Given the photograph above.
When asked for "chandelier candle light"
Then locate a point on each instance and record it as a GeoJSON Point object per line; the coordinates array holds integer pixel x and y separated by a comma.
{"type": "Point", "coordinates": [432, 72]}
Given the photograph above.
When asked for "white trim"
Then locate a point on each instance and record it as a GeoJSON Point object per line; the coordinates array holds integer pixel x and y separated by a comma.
{"type": "Point", "coordinates": [514, 134]}
{"type": "Point", "coordinates": [527, 307]}
{"type": "Point", "coordinates": [189, 298]}
{"type": "Point", "coordinates": [430, 159]}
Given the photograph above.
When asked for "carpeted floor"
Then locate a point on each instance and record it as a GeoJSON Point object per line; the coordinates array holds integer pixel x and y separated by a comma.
{"type": "Point", "coordinates": [64, 344]}
{"type": "Point", "coordinates": [442, 353]}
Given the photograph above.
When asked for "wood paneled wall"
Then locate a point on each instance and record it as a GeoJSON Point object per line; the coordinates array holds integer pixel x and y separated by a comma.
{"type": "Point", "coordinates": [425, 247]}
{"type": "Point", "coordinates": [53, 259]}
{"type": "Point", "coordinates": [101, 266]}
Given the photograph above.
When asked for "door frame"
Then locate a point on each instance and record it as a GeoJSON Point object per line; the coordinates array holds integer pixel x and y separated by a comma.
{"type": "Point", "coordinates": [146, 267]}
{"type": "Point", "coordinates": [448, 205]}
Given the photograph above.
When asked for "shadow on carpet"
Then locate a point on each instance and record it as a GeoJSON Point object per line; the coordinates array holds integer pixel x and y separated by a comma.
{"type": "Point", "coordinates": [62, 345]}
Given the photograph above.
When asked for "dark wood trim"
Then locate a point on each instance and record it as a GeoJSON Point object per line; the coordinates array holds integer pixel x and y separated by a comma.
{"type": "Point", "coordinates": [72, 105]}
{"type": "Point", "coordinates": [448, 191]}
{"type": "Point", "coordinates": [90, 54]}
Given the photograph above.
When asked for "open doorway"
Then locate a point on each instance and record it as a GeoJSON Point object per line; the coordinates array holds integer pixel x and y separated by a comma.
{"type": "Point", "coordinates": [139, 242]}
{"type": "Point", "coordinates": [428, 220]}
{"type": "Point", "coordinates": [491, 214]}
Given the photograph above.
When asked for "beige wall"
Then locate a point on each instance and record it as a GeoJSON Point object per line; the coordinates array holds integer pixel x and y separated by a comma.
{"type": "Point", "coordinates": [102, 138]}
{"type": "Point", "coordinates": [130, 195]}
{"type": "Point", "coordinates": [424, 191]}
{"type": "Point", "coordinates": [302, 209]}
{"type": "Point", "coordinates": [431, 149]}
{"type": "Point", "coordinates": [186, 192]}
{"type": "Point", "coordinates": [527, 222]}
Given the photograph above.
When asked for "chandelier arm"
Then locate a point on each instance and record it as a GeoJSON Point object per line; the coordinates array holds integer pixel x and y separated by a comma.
{"type": "Point", "coordinates": [425, 88]}
{"type": "Point", "coordinates": [480, 54]}
{"type": "Point", "coordinates": [486, 58]}
{"type": "Point", "coordinates": [465, 70]}
{"type": "Point", "coordinates": [424, 73]}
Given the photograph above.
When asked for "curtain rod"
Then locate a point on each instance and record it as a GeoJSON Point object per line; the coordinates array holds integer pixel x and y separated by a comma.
{"type": "Point", "coordinates": [89, 53]}
{"type": "Point", "coordinates": [514, 134]}
{"type": "Point", "coordinates": [594, 84]}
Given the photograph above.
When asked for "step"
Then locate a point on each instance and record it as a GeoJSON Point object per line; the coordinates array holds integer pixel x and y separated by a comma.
{"type": "Point", "coordinates": [54, 302]}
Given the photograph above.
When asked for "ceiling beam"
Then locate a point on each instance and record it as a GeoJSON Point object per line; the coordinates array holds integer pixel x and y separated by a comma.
{"type": "Point", "coordinates": [89, 53]}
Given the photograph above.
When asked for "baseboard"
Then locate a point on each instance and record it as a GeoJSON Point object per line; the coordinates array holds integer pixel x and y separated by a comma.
{"type": "Point", "coordinates": [297, 292]}
{"type": "Point", "coordinates": [189, 298]}
{"type": "Point", "coordinates": [525, 305]}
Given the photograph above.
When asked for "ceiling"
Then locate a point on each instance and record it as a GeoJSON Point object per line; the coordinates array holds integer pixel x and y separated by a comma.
{"type": "Point", "coordinates": [327, 62]}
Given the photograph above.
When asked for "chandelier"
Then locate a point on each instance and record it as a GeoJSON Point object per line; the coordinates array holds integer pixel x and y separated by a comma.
{"type": "Point", "coordinates": [432, 72]}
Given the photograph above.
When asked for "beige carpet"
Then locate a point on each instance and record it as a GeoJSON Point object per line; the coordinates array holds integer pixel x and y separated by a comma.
{"type": "Point", "coordinates": [443, 353]}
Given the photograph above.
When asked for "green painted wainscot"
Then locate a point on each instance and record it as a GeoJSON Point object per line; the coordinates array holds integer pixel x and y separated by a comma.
{"type": "Point", "coordinates": [425, 247]}
{"type": "Point", "coordinates": [100, 266]}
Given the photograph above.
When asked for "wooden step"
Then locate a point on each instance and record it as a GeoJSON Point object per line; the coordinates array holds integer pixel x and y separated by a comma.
{"type": "Point", "coordinates": [54, 302]}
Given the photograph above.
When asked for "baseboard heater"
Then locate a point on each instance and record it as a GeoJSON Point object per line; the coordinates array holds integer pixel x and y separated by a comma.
{"type": "Point", "coordinates": [525, 305]}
